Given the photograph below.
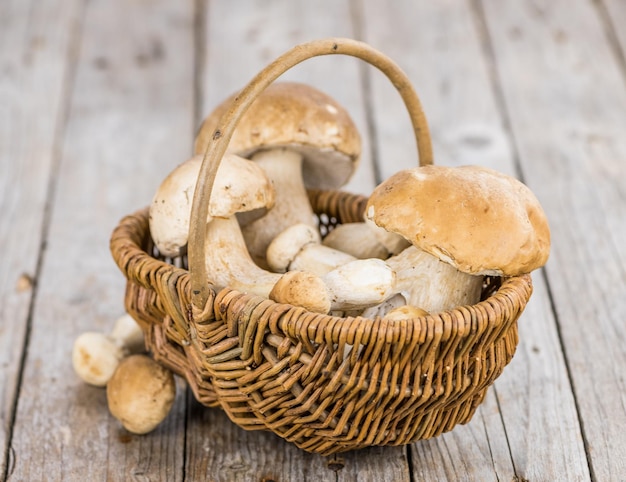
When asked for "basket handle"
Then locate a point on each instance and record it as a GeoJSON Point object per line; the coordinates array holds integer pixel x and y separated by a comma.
{"type": "Point", "coordinates": [219, 142]}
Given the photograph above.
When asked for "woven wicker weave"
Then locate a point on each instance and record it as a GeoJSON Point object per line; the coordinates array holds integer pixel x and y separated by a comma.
{"type": "Point", "coordinates": [327, 384]}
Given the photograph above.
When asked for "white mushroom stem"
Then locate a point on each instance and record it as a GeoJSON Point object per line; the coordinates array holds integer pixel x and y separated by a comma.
{"type": "Point", "coordinates": [129, 334]}
{"type": "Point", "coordinates": [356, 239]}
{"type": "Point", "coordinates": [95, 356]}
{"type": "Point", "coordinates": [229, 263]}
{"type": "Point", "coordinates": [284, 168]}
{"type": "Point", "coordinates": [299, 248]}
{"type": "Point", "coordinates": [359, 284]}
{"type": "Point", "coordinates": [354, 285]}
{"type": "Point", "coordinates": [431, 284]}
{"type": "Point", "coordinates": [381, 309]}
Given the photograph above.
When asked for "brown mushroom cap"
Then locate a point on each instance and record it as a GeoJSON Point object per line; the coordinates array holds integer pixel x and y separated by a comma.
{"type": "Point", "coordinates": [140, 393]}
{"type": "Point", "coordinates": [294, 115]}
{"type": "Point", "coordinates": [477, 219]}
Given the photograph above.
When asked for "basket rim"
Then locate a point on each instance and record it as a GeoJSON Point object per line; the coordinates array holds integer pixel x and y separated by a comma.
{"type": "Point", "coordinates": [141, 267]}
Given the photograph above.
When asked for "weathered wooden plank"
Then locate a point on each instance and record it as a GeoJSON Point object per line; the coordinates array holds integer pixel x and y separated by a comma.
{"type": "Point", "coordinates": [237, 47]}
{"type": "Point", "coordinates": [566, 100]}
{"type": "Point", "coordinates": [615, 15]}
{"type": "Point", "coordinates": [221, 451]}
{"type": "Point", "coordinates": [536, 402]}
{"type": "Point", "coordinates": [130, 121]}
{"type": "Point", "coordinates": [35, 63]}
{"type": "Point", "coordinates": [476, 451]}
{"type": "Point", "coordinates": [444, 58]}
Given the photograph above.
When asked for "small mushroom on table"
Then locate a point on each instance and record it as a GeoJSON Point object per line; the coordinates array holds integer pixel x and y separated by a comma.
{"type": "Point", "coordinates": [95, 355]}
{"type": "Point", "coordinates": [463, 223]}
{"type": "Point", "coordinates": [303, 139]}
{"type": "Point", "coordinates": [141, 393]}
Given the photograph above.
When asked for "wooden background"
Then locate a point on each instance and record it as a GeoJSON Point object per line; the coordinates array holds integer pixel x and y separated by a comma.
{"type": "Point", "coordinates": [99, 100]}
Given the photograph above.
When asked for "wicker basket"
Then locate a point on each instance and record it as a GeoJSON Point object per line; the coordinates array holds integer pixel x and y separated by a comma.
{"type": "Point", "coordinates": [277, 367]}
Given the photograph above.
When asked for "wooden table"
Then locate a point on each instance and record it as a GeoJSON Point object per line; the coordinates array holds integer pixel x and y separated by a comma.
{"type": "Point", "coordinates": [100, 99]}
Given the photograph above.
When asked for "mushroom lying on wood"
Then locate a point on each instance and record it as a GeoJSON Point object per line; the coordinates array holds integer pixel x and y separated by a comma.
{"type": "Point", "coordinates": [463, 223]}
{"type": "Point", "coordinates": [170, 210]}
{"type": "Point", "coordinates": [301, 137]}
{"type": "Point", "coordinates": [95, 356]}
{"type": "Point", "coordinates": [141, 393]}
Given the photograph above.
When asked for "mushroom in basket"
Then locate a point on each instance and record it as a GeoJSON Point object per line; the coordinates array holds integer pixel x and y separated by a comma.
{"type": "Point", "coordinates": [234, 191]}
{"type": "Point", "coordinates": [302, 139]}
{"type": "Point", "coordinates": [463, 223]}
{"type": "Point", "coordinates": [242, 186]}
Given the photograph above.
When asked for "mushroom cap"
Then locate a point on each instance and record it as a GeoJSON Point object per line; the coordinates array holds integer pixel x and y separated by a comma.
{"type": "Point", "coordinates": [303, 289]}
{"type": "Point", "coordinates": [95, 356]}
{"type": "Point", "coordinates": [478, 220]}
{"type": "Point", "coordinates": [140, 393]}
{"type": "Point", "coordinates": [240, 186]}
{"type": "Point", "coordinates": [298, 116]}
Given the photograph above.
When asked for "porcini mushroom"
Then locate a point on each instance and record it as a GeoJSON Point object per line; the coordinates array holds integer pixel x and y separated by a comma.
{"type": "Point", "coordinates": [359, 240]}
{"type": "Point", "coordinates": [170, 210]}
{"type": "Point", "coordinates": [227, 259]}
{"type": "Point", "coordinates": [141, 393]}
{"type": "Point", "coordinates": [95, 356]}
{"type": "Point", "coordinates": [301, 138]}
{"type": "Point", "coordinates": [463, 223]}
{"type": "Point", "coordinates": [299, 248]}
{"type": "Point", "coordinates": [356, 284]}
{"type": "Point", "coordinates": [303, 289]}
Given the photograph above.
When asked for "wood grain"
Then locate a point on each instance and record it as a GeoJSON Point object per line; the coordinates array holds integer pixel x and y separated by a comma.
{"type": "Point", "coordinates": [130, 121]}
{"type": "Point", "coordinates": [450, 70]}
{"type": "Point", "coordinates": [566, 100]}
{"type": "Point", "coordinates": [100, 99]}
{"type": "Point", "coordinates": [34, 73]}
{"type": "Point", "coordinates": [613, 12]}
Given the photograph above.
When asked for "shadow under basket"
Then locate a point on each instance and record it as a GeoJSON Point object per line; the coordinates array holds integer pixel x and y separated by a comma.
{"type": "Point", "coordinates": [325, 383]}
